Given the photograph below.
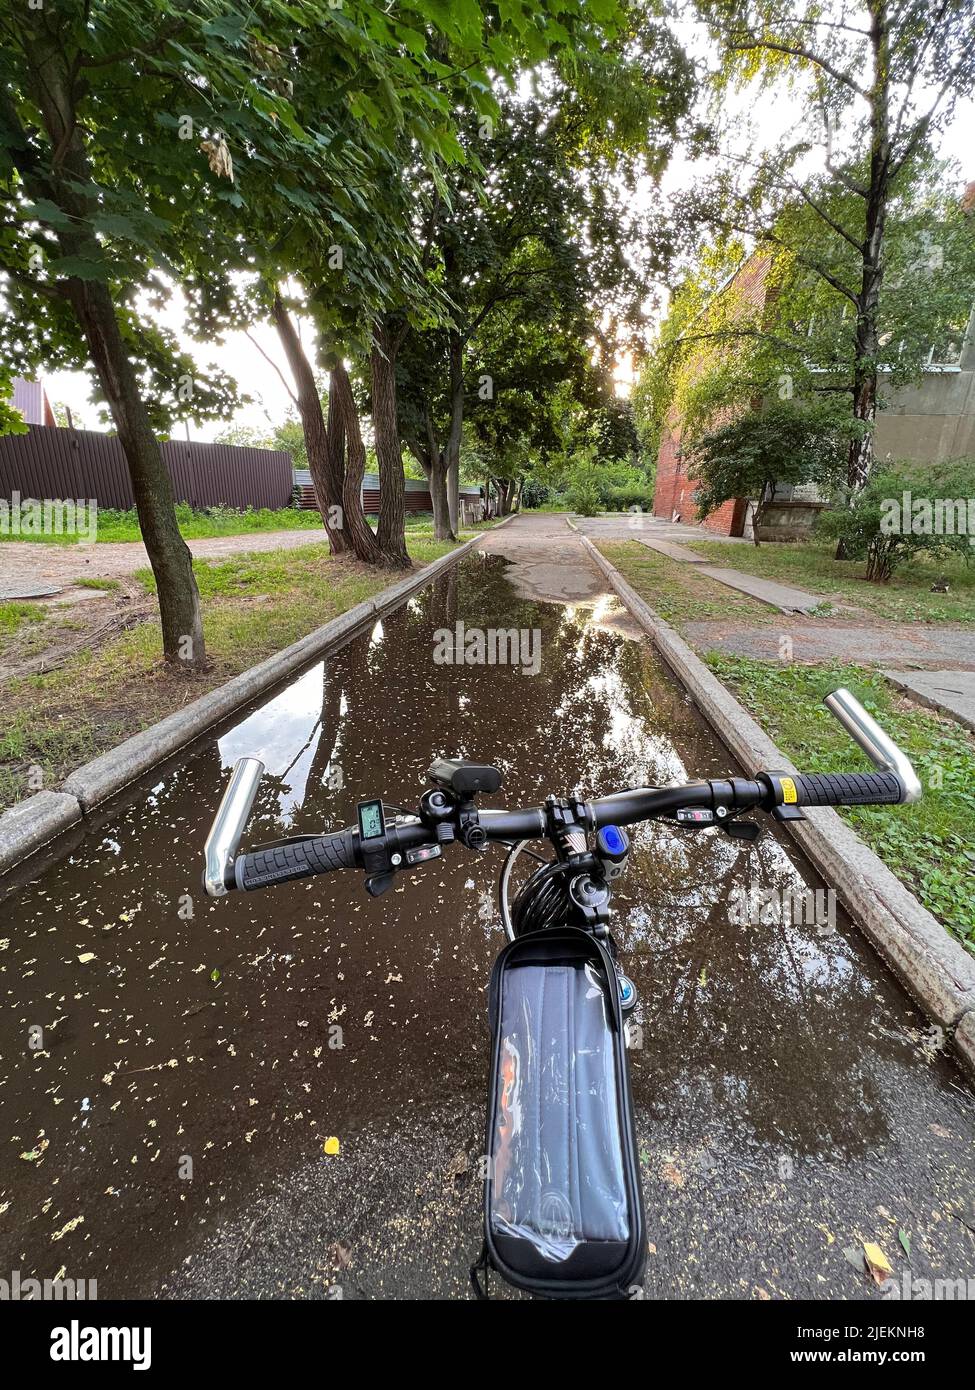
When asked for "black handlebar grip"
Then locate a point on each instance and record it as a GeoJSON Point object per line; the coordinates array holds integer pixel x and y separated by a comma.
{"type": "Point", "coordinates": [847, 788]}
{"type": "Point", "coordinates": [281, 863]}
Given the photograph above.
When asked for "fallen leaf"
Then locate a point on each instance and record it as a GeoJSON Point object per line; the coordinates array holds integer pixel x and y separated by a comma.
{"type": "Point", "coordinates": [85, 957]}
{"type": "Point", "coordinates": [68, 1226]}
{"type": "Point", "coordinates": [331, 1146]}
{"type": "Point", "coordinates": [672, 1175]}
{"type": "Point", "coordinates": [855, 1257]}
{"type": "Point", "coordinates": [905, 1241]}
{"type": "Point", "coordinates": [877, 1262]}
{"type": "Point", "coordinates": [940, 1132]}
{"type": "Point", "coordinates": [457, 1166]}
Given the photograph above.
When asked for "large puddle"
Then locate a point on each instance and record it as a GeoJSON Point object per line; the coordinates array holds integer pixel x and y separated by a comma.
{"type": "Point", "coordinates": [194, 1056]}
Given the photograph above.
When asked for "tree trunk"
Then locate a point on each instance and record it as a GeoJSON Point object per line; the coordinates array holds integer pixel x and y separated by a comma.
{"type": "Point", "coordinates": [434, 466]}
{"type": "Point", "coordinates": [326, 470]}
{"type": "Point", "coordinates": [452, 450]}
{"type": "Point", "coordinates": [505, 487]}
{"type": "Point", "coordinates": [345, 437]}
{"type": "Point", "coordinates": [442, 529]}
{"type": "Point", "coordinates": [91, 301]}
{"type": "Point", "coordinates": [358, 532]}
{"type": "Point", "coordinates": [866, 348]}
{"type": "Point", "coordinates": [765, 499]}
{"type": "Point", "coordinates": [392, 484]}
{"type": "Point", "coordinates": [169, 555]}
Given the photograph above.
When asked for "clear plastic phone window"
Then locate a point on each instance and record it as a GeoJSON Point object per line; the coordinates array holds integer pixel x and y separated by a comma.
{"type": "Point", "coordinates": [557, 1156]}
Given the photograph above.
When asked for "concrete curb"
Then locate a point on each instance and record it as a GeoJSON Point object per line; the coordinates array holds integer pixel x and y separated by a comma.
{"type": "Point", "coordinates": [937, 971]}
{"type": "Point", "coordinates": [34, 822]}
{"type": "Point", "coordinates": [965, 1040]}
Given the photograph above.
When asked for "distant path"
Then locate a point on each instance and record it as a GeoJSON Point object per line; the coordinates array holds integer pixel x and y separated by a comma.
{"type": "Point", "coordinates": [917, 644]}
{"type": "Point", "coordinates": [63, 564]}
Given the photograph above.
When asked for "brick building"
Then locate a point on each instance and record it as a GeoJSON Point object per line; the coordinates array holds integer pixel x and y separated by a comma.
{"type": "Point", "coordinates": [673, 497]}
{"type": "Point", "coordinates": [930, 421]}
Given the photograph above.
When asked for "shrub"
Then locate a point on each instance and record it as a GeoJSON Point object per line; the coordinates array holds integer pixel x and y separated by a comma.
{"type": "Point", "coordinates": [583, 496]}
{"type": "Point", "coordinates": [905, 509]}
{"type": "Point", "coordinates": [785, 442]}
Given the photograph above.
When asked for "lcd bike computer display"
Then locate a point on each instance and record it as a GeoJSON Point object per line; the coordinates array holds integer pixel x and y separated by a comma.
{"type": "Point", "coordinates": [372, 823]}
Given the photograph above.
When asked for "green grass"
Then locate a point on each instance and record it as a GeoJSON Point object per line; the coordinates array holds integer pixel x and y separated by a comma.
{"type": "Point", "coordinates": [117, 526]}
{"type": "Point", "coordinates": [810, 565]}
{"type": "Point", "coordinates": [930, 845]}
{"type": "Point", "coordinates": [253, 605]}
{"type": "Point", "coordinates": [95, 583]}
{"type": "Point", "coordinates": [14, 615]}
{"type": "Point", "coordinates": [677, 591]}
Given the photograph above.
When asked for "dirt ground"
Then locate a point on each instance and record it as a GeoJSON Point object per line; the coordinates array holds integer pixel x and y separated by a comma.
{"type": "Point", "coordinates": [64, 564]}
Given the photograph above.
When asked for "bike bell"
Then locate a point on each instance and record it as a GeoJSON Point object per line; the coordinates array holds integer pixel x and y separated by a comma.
{"type": "Point", "coordinates": [612, 847]}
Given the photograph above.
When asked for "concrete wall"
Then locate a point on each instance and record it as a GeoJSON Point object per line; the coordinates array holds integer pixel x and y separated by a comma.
{"type": "Point", "coordinates": [929, 422]}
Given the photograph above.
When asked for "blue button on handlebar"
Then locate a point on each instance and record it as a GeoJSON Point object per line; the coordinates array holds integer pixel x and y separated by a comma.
{"type": "Point", "coordinates": [611, 842]}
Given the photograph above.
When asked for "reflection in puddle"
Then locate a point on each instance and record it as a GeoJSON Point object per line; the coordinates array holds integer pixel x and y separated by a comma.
{"type": "Point", "coordinates": [240, 1035]}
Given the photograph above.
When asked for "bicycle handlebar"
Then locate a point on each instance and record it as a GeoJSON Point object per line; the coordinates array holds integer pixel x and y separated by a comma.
{"type": "Point", "coordinates": [768, 791]}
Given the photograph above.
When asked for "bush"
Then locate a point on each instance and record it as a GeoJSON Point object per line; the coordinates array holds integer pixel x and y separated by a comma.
{"type": "Point", "coordinates": [905, 509]}
{"type": "Point", "coordinates": [583, 496]}
{"type": "Point", "coordinates": [787, 441]}
{"type": "Point", "coordinates": [619, 499]}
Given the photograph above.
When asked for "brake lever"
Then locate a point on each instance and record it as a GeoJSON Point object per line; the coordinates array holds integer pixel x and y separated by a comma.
{"type": "Point", "coordinates": [741, 830]}
{"type": "Point", "coordinates": [378, 884]}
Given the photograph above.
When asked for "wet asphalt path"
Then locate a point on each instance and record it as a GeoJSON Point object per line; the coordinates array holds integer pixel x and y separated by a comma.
{"type": "Point", "coordinates": [195, 1056]}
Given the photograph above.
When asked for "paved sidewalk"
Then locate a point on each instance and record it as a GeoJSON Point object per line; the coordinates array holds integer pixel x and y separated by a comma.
{"type": "Point", "coordinates": [951, 692]}
{"type": "Point", "coordinates": [673, 551]}
{"type": "Point", "coordinates": [781, 596]}
{"type": "Point", "coordinates": [667, 538]}
{"type": "Point", "coordinates": [892, 644]}
{"type": "Point", "coordinates": [641, 526]}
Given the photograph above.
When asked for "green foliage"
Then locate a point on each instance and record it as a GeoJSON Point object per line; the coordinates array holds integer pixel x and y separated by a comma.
{"type": "Point", "coordinates": [784, 442]}
{"type": "Point", "coordinates": [530, 265]}
{"type": "Point", "coordinates": [888, 527]}
{"type": "Point", "coordinates": [11, 420]}
{"type": "Point", "coordinates": [773, 323]}
{"type": "Point", "coordinates": [207, 140]}
{"type": "Point", "coordinates": [583, 493]}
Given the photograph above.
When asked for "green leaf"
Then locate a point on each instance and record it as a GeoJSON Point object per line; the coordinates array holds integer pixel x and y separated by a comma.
{"type": "Point", "coordinates": [43, 210]}
{"type": "Point", "coordinates": [78, 268]}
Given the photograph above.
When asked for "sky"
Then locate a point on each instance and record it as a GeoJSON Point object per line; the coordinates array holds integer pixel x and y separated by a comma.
{"type": "Point", "coordinates": [754, 117]}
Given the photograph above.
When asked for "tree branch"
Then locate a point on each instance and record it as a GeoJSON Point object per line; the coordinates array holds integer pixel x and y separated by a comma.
{"type": "Point", "coordinates": [284, 381]}
{"type": "Point", "coordinates": [807, 54]}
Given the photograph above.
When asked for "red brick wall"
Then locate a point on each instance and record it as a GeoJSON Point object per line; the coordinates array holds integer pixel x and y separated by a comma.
{"type": "Point", "coordinates": [674, 490]}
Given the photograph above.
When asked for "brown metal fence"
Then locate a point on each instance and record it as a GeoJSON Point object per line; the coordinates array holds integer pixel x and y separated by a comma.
{"type": "Point", "coordinates": [81, 464]}
{"type": "Point", "coordinates": [417, 494]}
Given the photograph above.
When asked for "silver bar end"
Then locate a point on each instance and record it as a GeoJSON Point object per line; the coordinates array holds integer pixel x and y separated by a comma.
{"type": "Point", "coordinates": [879, 747]}
{"type": "Point", "coordinates": [223, 840]}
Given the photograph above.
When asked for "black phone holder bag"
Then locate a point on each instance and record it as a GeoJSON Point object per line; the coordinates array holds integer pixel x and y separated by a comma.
{"type": "Point", "coordinates": [563, 1212]}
